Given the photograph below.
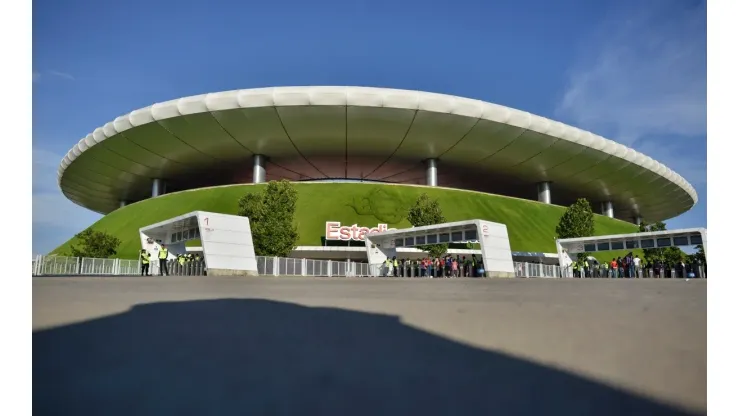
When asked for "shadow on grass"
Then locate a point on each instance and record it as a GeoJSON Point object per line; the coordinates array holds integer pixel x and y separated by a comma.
{"type": "Point", "coordinates": [257, 357]}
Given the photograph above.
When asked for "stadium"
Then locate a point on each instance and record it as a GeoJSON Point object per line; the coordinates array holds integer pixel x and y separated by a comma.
{"type": "Point", "coordinates": [360, 156]}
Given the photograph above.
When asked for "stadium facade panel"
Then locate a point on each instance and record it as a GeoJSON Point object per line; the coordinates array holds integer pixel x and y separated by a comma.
{"type": "Point", "coordinates": [368, 134]}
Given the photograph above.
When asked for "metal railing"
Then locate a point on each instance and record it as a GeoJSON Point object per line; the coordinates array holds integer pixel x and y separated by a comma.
{"type": "Point", "coordinates": [63, 266]}
{"type": "Point", "coordinates": [527, 270]}
{"type": "Point", "coordinates": [281, 266]}
{"type": "Point", "coordinates": [642, 272]}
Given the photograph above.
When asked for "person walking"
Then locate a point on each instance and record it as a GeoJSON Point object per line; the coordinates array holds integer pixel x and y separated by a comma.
{"type": "Point", "coordinates": [163, 253]}
{"type": "Point", "coordinates": [144, 256]}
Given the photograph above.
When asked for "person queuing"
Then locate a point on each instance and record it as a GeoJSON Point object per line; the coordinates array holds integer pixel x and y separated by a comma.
{"type": "Point", "coordinates": [145, 257]}
{"type": "Point", "coordinates": [613, 265]}
{"type": "Point", "coordinates": [636, 266]}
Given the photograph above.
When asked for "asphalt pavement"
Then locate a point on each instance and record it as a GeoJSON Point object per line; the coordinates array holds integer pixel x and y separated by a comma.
{"type": "Point", "coordinates": [340, 346]}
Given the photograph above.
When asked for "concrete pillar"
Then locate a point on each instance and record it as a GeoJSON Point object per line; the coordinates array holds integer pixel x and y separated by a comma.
{"type": "Point", "coordinates": [157, 187]}
{"type": "Point", "coordinates": [638, 219]}
{"type": "Point", "coordinates": [121, 204]}
{"type": "Point", "coordinates": [431, 172]}
{"type": "Point", "coordinates": [543, 192]}
{"type": "Point", "coordinates": [259, 173]}
{"type": "Point", "coordinates": [607, 209]}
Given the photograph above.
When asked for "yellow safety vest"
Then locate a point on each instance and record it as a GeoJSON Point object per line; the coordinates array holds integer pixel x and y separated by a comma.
{"type": "Point", "coordinates": [163, 253]}
{"type": "Point", "coordinates": [181, 260]}
{"type": "Point", "coordinates": [144, 258]}
{"type": "Point", "coordinates": [395, 263]}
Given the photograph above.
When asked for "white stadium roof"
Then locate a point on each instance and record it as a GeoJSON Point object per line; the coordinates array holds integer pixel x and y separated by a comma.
{"type": "Point", "coordinates": [119, 160]}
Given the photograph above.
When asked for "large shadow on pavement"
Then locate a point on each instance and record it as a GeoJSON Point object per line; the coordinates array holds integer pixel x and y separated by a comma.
{"type": "Point", "coordinates": [257, 357]}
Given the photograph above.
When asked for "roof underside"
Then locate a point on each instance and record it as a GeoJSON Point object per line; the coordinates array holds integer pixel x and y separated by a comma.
{"type": "Point", "coordinates": [308, 125]}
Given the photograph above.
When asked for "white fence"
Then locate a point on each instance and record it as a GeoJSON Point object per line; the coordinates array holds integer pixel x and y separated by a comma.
{"type": "Point", "coordinates": [280, 266]}
{"type": "Point", "coordinates": [62, 266]}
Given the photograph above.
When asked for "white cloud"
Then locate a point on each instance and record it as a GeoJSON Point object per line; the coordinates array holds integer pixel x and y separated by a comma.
{"type": "Point", "coordinates": [37, 76]}
{"type": "Point", "coordinates": [643, 74]}
{"type": "Point", "coordinates": [61, 74]}
{"type": "Point", "coordinates": [50, 207]}
{"type": "Point", "coordinates": [641, 80]}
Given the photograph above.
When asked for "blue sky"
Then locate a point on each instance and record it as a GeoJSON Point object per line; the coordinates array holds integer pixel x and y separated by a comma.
{"type": "Point", "coordinates": [633, 71]}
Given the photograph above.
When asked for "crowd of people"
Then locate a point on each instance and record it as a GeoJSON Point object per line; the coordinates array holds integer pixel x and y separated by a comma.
{"type": "Point", "coordinates": [185, 264]}
{"type": "Point", "coordinates": [631, 266]}
{"type": "Point", "coordinates": [434, 267]}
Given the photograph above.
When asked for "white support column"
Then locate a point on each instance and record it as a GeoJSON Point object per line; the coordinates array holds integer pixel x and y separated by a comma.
{"type": "Point", "coordinates": [157, 187]}
{"type": "Point", "coordinates": [607, 209]}
{"type": "Point", "coordinates": [543, 192]}
{"type": "Point", "coordinates": [121, 204]}
{"type": "Point", "coordinates": [638, 220]}
{"type": "Point", "coordinates": [431, 172]}
{"type": "Point", "coordinates": [259, 173]}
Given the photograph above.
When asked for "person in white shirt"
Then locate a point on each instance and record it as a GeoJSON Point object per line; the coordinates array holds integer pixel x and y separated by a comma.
{"type": "Point", "coordinates": [638, 269]}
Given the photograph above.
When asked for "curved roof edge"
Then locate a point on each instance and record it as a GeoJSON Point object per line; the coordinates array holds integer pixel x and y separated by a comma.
{"type": "Point", "coordinates": [368, 97]}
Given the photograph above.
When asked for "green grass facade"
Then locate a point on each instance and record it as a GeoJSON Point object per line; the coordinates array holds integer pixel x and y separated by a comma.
{"type": "Point", "coordinates": [531, 225]}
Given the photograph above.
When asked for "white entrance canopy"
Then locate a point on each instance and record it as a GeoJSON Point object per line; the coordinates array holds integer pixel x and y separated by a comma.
{"type": "Point", "coordinates": [226, 241]}
{"type": "Point", "coordinates": [492, 237]}
{"type": "Point", "coordinates": [634, 241]}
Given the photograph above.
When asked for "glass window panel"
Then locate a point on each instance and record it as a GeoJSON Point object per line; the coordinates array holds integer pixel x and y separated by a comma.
{"type": "Point", "coordinates": [432, 239]}
{"type": "Point", "coordinates": [589, 247]}
{"type": "Point", "coordinates": [681, 241]}
{"type": "Point", "coordinates": [457, 236]}
{"type": "Point", "coordinates": [617, 245]}
{"type": "Point", "coordinates": [603, 246]}
{"type": "Point", "coordinates": [409, 241]}
{"type": "Point", "coordinates": [444, 238]}
{"type": "Point", "coordinates": [647, 243]}
{"type": "Point", "coordinates": [664, 242]}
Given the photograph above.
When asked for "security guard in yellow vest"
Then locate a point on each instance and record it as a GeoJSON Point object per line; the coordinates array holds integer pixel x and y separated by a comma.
{"type": "Point", "coordinates": [181, 260]}
{"type": "Point", "coordinates": [163, 253]}
{"type": "Point", "coordinates": [144, 256]}
{"type": "Point", "coordinates": [395, 266]}
{"type": "Point", "coordinates": [388, 266]}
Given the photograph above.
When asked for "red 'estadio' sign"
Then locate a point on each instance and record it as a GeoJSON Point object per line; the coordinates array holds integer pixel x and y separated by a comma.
{"type": "Point", "coordinates": [336, 231]}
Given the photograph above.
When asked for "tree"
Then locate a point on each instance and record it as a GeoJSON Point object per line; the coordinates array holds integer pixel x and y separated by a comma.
{"type": "Point", "coordinates": [577, 221]}
{"type": "Point", "coordinates": [667, 255]}
{"type": "Point", "coordinates": [271, 214]}
{"type": "Point", "coordinates": [426, 211]}
{"type": "Point", "coordinates": [700, 254]}
{"type": "Point", "coordinates": [95, 244]}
